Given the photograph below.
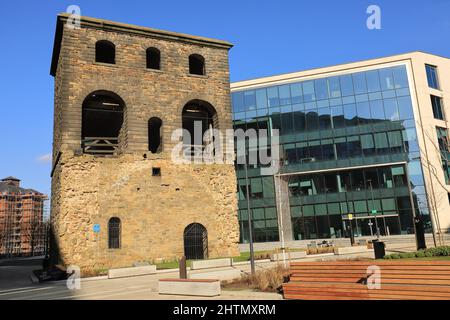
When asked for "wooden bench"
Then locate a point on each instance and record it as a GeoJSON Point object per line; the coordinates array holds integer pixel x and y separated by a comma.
{"type": "Point", "coordinates": [347, 280]}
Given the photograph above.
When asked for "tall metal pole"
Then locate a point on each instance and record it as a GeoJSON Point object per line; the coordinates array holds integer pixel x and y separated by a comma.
{"type": "Point", "coordinates": [250, 222]}
{"type": "Point", "coordinates": [280, 214]}
{"type": "Point", "coordinates": [373, 208]}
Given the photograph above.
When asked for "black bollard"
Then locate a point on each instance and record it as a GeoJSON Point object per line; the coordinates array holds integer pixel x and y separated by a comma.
{"type": "Point", "coordinates": [183, 270]}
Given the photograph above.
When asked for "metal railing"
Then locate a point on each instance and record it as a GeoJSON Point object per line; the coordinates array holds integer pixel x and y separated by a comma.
{"type": "Point", "coordinates": [100, 145]}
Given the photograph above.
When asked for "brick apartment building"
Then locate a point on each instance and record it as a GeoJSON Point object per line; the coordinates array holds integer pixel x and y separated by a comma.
{"type": "Point", "coordinates": [22, 228]}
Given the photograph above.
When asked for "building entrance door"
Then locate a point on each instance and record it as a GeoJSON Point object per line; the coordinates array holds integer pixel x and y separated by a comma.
{"type": "Point", "coordinates": [366, 226]}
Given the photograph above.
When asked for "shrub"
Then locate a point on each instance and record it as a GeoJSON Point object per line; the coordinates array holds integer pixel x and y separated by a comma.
{"type": "Point", "coordinates": [395, 256]}
{"type": "Point", "coordinates": [420, 254]}
{"type": "Point", "coordinates": [269, 279]}
{"type": "Point", "coordinates": [428, 254]}
{"type": "Point", "coordinates": [387, 257]}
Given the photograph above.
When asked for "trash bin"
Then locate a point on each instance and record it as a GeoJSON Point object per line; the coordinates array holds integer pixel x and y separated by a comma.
{"type": "Point", "coordinates": [379, 249]}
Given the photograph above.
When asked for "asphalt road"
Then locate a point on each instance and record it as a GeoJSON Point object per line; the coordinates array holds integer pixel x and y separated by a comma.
{"type": "Point", "coordinates": [16, 273]}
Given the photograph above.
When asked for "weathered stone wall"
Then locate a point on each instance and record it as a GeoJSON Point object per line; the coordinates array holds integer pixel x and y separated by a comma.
{"type": "Point", "coordinates": [154, 211]}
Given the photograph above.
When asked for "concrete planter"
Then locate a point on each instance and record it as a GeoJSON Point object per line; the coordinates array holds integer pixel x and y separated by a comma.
{"type": "Point", "coordinates": [351, 250]}
{"type": "Point", "coordinates": [214, 263]}
{"type": "Point", "coordinates": [189, 287]}
{"type": "Point", "coordinates": [131, 272]}
{"type": "Point", "coordinates": [288, 255]}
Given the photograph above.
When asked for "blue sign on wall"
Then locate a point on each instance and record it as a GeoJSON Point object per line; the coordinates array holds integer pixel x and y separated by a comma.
{"type": "Point", "coordinates": [96, 228]}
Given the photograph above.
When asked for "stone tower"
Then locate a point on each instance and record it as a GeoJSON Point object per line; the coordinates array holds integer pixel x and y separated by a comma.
{"type": "Point", "coordinates": [117, 195]}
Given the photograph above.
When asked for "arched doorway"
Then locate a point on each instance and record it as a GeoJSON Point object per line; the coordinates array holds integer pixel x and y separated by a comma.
{"type": "Point", "coordinates": [195, 242]}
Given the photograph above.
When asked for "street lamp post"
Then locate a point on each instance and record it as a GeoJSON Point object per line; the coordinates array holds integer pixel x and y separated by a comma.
{"type": "Point", "coordinates": [373, 209]}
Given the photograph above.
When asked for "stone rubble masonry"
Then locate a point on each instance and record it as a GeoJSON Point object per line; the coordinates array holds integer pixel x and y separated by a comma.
{"type": "Point", "coordinates": [88, 190]}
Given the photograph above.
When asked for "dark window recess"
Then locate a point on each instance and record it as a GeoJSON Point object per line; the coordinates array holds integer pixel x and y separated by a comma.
{"type": "Point", "coordinates": [196, 64]}
{"type": "Point", "coordinates": [105, 52]}
{"type": "Point", "coordinates": [156, 172]}
{"type": "Point", "coordinates": [200, 114]}
{"type": "Point", "coordinates": [114, 227]}
{"type": "Point", "coordinates": [436, 103]}
{"type": "Point", "coordinates": [102, 119]}
{"type": "Point", "coordinates": [154, 135]}
{"type": "Point", "coordinates": [153, 59]}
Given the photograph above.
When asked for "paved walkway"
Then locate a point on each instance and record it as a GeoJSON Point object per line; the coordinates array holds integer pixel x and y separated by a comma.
{"type": "Point", "coordinates": [15, 283]}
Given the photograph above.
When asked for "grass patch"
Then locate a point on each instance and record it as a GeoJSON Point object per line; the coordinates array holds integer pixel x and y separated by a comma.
{"type": "Point", "coordinates": [442, 253]}
{"type": "Point", "coordinates": [244, 256]}
{"type": "Point", "coordinates": [171, 265]}
{"type": "Point", "coordinates": [427, 258]}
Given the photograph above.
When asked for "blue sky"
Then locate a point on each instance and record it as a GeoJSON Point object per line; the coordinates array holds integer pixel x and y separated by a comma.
{"type": "Point", "coordinates": [270, 37]}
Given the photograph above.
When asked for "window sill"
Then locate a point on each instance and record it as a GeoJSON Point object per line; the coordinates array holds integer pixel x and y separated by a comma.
{"type": "Point", "coordinates": [154, 70]}
{"type": "Point", "coordinates": [105, 64]}
{"type": "Point", "coordinates": [197, 76]}
{"type": "Point", "coordinates": [436, 92]}
{"type": "Point", "coordinates": [441, 122]}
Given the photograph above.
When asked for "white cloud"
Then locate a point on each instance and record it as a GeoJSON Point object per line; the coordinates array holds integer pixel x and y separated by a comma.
{"type": "Point", "coordinates": [45, 158]}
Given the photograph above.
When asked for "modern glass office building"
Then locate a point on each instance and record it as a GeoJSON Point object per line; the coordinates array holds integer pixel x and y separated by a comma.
{"type": "Point", "coordinates": [349, 149]}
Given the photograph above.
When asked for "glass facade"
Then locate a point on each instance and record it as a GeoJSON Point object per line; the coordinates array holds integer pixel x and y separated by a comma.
{"type": "Point", "coordinates": [358, 130]}
{"type": "Point", "coordinates": [442, 134]}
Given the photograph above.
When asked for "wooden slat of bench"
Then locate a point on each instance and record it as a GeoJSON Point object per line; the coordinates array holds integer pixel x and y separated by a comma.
{"type": "Point", "coordinates": [416, 281]}
{"type": "Point", "coordinates": [331, 271]}
{"type": "Point", "coordinates": [350, 286]}
{"type": "Point", "coordinates": [385, 275]}
{"type": "Point", "coordinates": [383, 267]}
{"type": "Point", "coordinates": [360, 275]}
{"type": "Point", "coordinates": [363, 290]}
{"type": "Point", "coordinates": [323, 285]}
{"type": "Point", "coordinates": [364, 295]}
{"type": "Point", "coordinates": [357, 297]}
{"type": "Point", "coordinates": [326, 279]}
{"type": "Point", "coordinates": [324, 297]}
{"type": "Point", "coordinates": [304, 290]}
{"type": "Point", "coordinates": [383, 280]}
{"type": "Point", "coordinates": [401, 296]}
{"type": "Point", "coordinates": [371, 262]}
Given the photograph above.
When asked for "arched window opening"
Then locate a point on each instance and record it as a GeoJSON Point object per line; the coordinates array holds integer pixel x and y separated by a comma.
{"type": "Point", "coordinates": [153, 59]}
{"type": "Point", "coordinates": [102, 119]}
{"type": "Point", "coordinates": [198, 116]}
{"type": "Point", "coordinates": [114, 229]}
{"type": "Point", "coordinates": [196, 64]}
{"type": "Point", "coordinates": [154, 135]}
{"type": "Point", "coordinates": [195, 242]}
{"type": "Point", "coordinates": [105, 52]}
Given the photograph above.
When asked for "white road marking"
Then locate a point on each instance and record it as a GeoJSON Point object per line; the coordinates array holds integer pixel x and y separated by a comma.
{"type": "Point", "coordinates": [25, 291]}
{"type": "Point", "coordinates": [14, 289]}
{"type": "Point", "coordinates": [103, 294]}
